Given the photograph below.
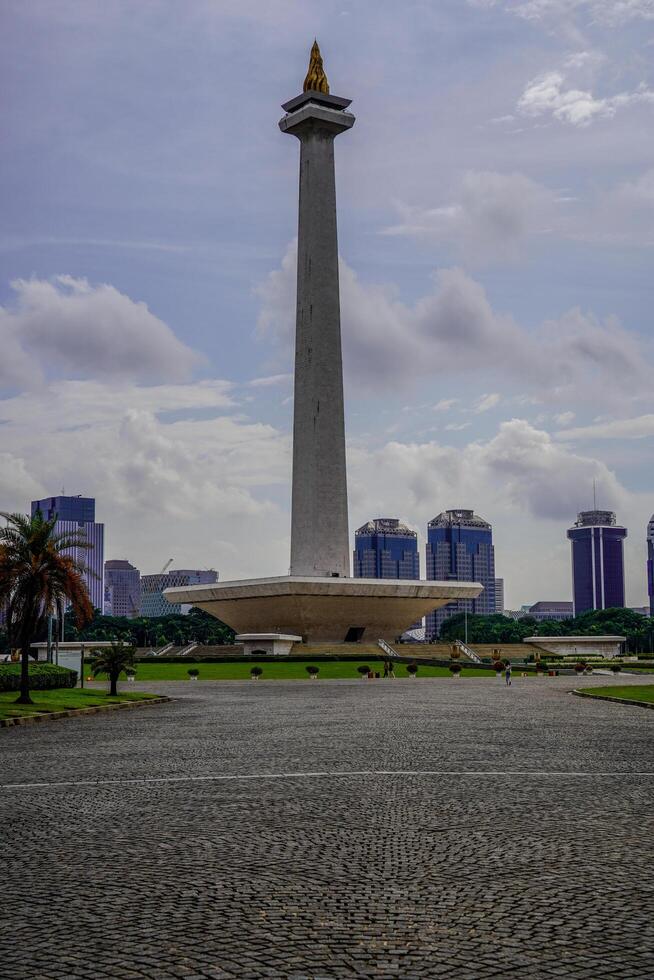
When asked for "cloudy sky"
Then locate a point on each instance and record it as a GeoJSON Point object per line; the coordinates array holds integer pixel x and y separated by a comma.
{"type": "Point", "coordinates": [496, 224]}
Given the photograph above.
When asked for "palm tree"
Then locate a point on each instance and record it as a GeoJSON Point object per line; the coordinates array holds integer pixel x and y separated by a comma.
{"type": "Point", "coordinates": [113, 660]}
{"type": "Point", "coordinates": [38, 576]}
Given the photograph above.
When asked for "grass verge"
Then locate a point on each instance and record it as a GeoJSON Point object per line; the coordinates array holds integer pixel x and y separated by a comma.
{"type": "Point", "coordinates": [61, 699]}
{"type": "Point", "coordinates": [279, 670]}
{"type": "Point", "coordinates": [627, 693]}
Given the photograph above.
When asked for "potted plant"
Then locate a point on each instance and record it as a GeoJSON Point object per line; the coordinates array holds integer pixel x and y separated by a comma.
{"type": "Point", "coordinates": [193, 673]}
{"type": "Point", "coordinates": [412, 669]}
{"type": "Point", "coordinates": [130, 673]}
{"type": "Point", "coordinates": [616, 668]}
{"type": "Point", "coordinates": [540, 668]}
{"type": "Point", "coordinates": [255, 673]}
{"type": "Point", "coordinates": [312, 672]}
{"type": "Point", "coordinates": [364, 670]}
{"type": "Point", "coordinates": [455, 669]}
{"type": "Point", "coordinates": [580, 667]}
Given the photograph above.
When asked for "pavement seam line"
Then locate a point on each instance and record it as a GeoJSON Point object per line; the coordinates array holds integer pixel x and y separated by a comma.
{"type": "Point", "coordinates": [323, 775]}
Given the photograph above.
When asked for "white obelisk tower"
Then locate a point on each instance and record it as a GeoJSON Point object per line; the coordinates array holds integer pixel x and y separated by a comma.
{"type": "Point", "coordinates": [319, 523]}
{"type": "Point", "coordinates": [319, 602]}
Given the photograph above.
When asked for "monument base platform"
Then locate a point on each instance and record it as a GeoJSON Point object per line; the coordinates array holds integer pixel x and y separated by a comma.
{"type": "Point", "coordinates": [270, 644]}
{"type": "Point", "coordinates": [323, 610]}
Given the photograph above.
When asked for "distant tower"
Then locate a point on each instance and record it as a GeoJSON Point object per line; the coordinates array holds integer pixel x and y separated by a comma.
{"type": "Point", "coordinates": [122, 589]}
{"type": "Point", "coordinates": [319, 524]}
{"type": "Point", "coordinates": [460, 548]}
{"type": "Point", "coordinates": [153, 601]}
{"type": "Point", "coordinates": [78, 514]}
{"type": "Point", "coordinates": [499, 595]}
{"type": "Point", "coordinates": [386, 548]}
{"type": "Point", "coordinates": [650, 565]}
{"type": "Point", "coordinates": [597, 561]}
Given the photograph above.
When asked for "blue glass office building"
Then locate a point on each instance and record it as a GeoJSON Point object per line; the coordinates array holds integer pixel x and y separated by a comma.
{"type": "Point", "coordinates": [650, 565]}
{"type": "Point", "coordinates": [460, 548]}
{"type": "Point", "coordinates": [597, 561]}
{"type": "Point", "coordinates": [78, 514]}
{"type": "Point", "coordinates": [386, 548]}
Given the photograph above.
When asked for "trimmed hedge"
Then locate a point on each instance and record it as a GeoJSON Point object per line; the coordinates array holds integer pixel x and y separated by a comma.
{"type": "Point", "coordinates": [43, 677]}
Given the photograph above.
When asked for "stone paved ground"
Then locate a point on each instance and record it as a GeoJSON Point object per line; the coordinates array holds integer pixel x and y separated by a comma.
{"type": "Point", "coordinates": [528, 853]}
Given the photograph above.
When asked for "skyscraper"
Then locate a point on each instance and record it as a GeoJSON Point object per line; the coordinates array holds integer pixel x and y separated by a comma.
{"type": "Point", "coordinates": [153, 601]}
{"type": "Point", "coordinates": [386, 548]}
{"type": "Point", "coordinates": [122, 589]}
{"type": "Point", "coordinates": [597, 561]}
{"type": "Point", "coordinates": [460, 548]}
{"type": "Point", "coordinates": [499, 595]}
{"type": "Point", "coordinates": [650, 565]}
{"type": "Point", "coordinates": [78, 514]}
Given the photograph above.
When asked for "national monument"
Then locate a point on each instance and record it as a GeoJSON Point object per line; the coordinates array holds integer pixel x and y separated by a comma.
{"type": "Point", "coordinates": [319, 601]}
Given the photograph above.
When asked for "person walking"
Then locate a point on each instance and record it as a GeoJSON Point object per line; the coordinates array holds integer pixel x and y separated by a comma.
{"type": "Point", "coordinates": [391, 669]}
{"type": "Point", "coordinates": [507, 673]}
{"type": "Point", "coordinates": [386, 668]}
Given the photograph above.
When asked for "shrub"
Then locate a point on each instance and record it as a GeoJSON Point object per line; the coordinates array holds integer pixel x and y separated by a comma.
{"type": "Point", "coordinates": [412, 668]}
{"type": "Point", "coordinates": [363, 669]}
{"type": "Point", "coordinates": [580, 667]}
{"type": "Point", "coordinates": [455, 668]}
{"type": "Point", "coordinates": [498, 666]}
{"type": "Point", "coordinates": [193, 672]}
{"type": "Point", "coordinates": [312, 670]}
{"type": "Point", "coordinates": [43, 677]}
{"type": "Point", "coordinates": [256, 672]}
{"type": "Point", "coordinates": [616, 668]}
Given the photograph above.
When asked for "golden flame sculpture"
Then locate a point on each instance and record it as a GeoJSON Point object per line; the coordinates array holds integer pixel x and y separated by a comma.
{"type": "Point", "coordinates": [316, 80]}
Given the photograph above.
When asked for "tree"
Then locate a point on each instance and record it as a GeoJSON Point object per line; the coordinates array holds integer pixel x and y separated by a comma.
{"type": "Point", "coordinates": [638, 629]}
{"type": "Point", "coordinates": [39, 574]}
{"type": "Point", "coordinates": [113, 660]}
{"type": "Point", "coordinates": [143, 631]}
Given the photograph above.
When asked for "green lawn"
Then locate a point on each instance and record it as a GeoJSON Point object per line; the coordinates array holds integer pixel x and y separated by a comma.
{"type": "Point", "coordinates": [631, 693]}
{"type": "Point", "coordinates": [60, 699]}
{"type": "Point", "coordinates": [280, 670]}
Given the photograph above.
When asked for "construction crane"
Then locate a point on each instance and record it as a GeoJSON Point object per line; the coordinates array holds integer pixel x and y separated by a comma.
{"type": "Point", "coordinates": [166, 566]}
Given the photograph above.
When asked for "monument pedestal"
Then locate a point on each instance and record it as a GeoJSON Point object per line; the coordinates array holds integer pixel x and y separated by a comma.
{"type": "Point", "coordinates": [323, 610]}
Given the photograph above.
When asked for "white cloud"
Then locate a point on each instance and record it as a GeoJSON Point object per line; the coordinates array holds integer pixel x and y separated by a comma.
{"type": "Point", "coordinates": [547, 94]}
{"type": "Point", "coordinates": [271, 380]}
{"type": "Point", "coordinates": [641, 427]}
{"type": "Point", "coordinates": [84, 330]}
{"type": "Point", "coordinates": [457, 426]}
{"type": "Point", "coordinates": [445, 404]}
{"type": "Point", "coordinates": [17, 368]}
{"type": "Point", "coordinates": [490, 215]}
{"type": "Point", "coordinates": [611, 12]}
{"type": "Point", "coordinates": [486, 402]}
{"type": "Point", "coordinates": [454, 329]}
{"type": "Point", "coordinates": [201, 489]}
{"type": "Point", "coordinates": [526, 484]}
{"type": "Point", "coordinates": [564, 418]}
{"type": "Point", "coordinates": [17, 485]}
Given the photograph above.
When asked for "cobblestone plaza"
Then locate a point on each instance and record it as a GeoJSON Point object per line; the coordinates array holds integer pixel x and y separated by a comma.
{"type": "Point", "coordinates": [410, 828]}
